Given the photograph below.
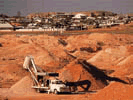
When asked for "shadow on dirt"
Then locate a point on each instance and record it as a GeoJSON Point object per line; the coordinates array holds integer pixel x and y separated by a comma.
{"type": "Point", "coordinates": [76, 93]}
{"type": "Point", "coordinates": [98, 74]}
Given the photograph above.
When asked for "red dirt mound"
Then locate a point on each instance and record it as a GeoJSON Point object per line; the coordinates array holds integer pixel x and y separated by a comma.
{"type": "Point", "coordinates": [110, 56]}
{"type": "Point", "coordinates": [76, 42]}
{"type": "Point", "coordinates": [125, 67]}
{"type": "Point", "coordinates": [23, 87]}
{"type": "Point", "coordinates": [92, 39]}
{"type": "Point", "coordinates": [115, 91]}
{"type": "Point", "coordinates": [76, 73]}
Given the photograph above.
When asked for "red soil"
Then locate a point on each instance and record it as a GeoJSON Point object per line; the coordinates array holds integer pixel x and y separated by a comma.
{"type": "Point", "coordinates": [116, 54]}
{"type": "Point", "coordinates": [115, 91]}
{"type": "Point", "coordinates": [75, 73]}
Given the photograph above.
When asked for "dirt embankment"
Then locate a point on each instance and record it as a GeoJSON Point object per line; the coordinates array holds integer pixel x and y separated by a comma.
{"type": "Point", "coordinates": [101, 51]}
{"type": "Point", "coordinates": [84, 80]}
{"type": "Point", "coordinates": [23, 87]}
{"type": "Point", "coordinates": [115, 91]}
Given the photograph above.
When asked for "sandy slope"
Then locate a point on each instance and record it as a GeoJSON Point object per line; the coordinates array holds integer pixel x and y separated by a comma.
{"type": "Point", "coordinates": [115, 54]}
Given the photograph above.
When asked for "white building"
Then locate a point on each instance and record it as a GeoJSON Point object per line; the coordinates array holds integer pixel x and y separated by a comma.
{"type": "Point", "coordinates": [78, 16]}
{"type": "Point", "coordinates": [5, 25]}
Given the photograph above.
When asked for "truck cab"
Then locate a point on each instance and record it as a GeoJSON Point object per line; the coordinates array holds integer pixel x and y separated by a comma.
{"type": "Point", "coordinates": [57, 86]}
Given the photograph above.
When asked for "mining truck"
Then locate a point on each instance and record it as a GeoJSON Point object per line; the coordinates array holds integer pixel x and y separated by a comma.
{"type": "Point", "coordinates": [44, 81]}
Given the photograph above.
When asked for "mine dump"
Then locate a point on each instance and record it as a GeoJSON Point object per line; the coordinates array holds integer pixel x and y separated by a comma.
{"type": "Point", "coordinates": [81, 65]}
{"type": "Point", "coordinates": [66, 50]}
{"type": "Point", "coordinates": [86, 66]}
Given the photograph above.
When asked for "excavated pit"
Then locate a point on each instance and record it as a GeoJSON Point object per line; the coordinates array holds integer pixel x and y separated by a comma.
{"type": "Point", "coordinates": [49, 54]}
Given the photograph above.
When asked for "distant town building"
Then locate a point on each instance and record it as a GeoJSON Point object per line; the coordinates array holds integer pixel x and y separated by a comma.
{"type": "Point", "coordinates": [19, 14]}
{"type": "Point", "coordinates": [5, 25]}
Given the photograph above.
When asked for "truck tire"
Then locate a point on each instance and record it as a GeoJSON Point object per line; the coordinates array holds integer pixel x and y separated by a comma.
{"type": "Point", "coordinates": [55, 91]}
{"type": "Point", "coordinates": [38, 90]}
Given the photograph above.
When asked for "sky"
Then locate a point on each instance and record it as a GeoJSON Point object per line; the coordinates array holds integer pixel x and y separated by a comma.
{"type": "Point", "coordinates": [11, 7]}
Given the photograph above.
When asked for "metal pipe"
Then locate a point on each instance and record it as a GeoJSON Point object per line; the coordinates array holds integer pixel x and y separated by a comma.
{"type": "Point", "coordinates": [33, 76]}
{"type": "Point", "coordinates": [34, 66]}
